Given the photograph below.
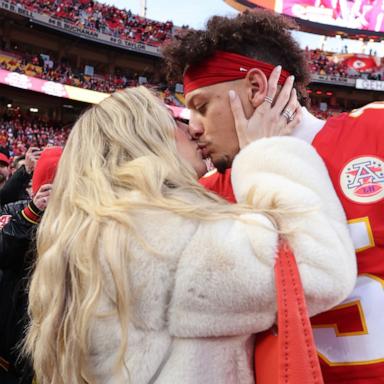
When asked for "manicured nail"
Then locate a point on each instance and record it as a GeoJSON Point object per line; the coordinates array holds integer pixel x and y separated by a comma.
{"type": "Point", "coordinates": [232, 94]}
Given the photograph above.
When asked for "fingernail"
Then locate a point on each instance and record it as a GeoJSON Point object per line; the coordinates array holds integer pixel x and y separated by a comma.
{"type": "Point", "coordinates": [232, 94]}
{"type": "Point", "coordinates": [278, 68]}
{"type": "Point", "coordinates": [293, 78]}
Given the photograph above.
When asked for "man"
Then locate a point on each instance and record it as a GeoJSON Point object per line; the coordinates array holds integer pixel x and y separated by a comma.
{"type": "Point", "coordinates": [17, 186]}
{"type": "Point", "coordinates": [239, 54]}
{"type": "Point", "coordinates": [5, 169]}
{"type": "Point", "coordinates": [18, 224]}
{"type": "Point", "coordinates": [18, 221]}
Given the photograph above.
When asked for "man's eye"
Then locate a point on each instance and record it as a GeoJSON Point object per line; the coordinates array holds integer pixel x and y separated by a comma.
{"type": "Point", "coordinates": [201, 108]}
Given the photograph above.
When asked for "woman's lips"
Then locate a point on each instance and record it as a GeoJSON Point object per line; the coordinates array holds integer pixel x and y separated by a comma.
{"type": "Point", "coordinates": [204, 151]}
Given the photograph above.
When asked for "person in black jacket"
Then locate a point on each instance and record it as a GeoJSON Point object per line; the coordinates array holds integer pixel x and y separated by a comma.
{"type": "Point", "coordinates": [18, 221]}
{"type": "Point", "coordinates": [15, 188]}
{"type": "Point", "coordinates": [5, 166]}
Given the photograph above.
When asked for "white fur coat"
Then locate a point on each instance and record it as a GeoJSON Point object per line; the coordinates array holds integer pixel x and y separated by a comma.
{"type": "Point", "coordinates": [195, 311]}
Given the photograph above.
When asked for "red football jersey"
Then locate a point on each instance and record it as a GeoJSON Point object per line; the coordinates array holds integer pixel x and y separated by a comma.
{"type": "Point", "coordinates": [219, 183]}
{"type": "Point", "coordinates": [350, 337]}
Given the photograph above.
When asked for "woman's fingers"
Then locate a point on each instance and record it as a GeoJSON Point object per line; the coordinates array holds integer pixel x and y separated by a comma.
{"type": "Point", "coordinates": [284, 95]}
{"type": "Point", "coordinates": [289, 113]}
{"type": "Point", "coordinates": [293, 102]}
{"type": "Point", "coordinates": [294, 122]}
{"type": "Point", "coordinates": [273, 81]}
{"type": "Point", "coordinates": [291, 106]}
{"type": "Point", "coordinates": [290, 116]}
{"type": "Point", "coordinates": [240, 120]}
{"type": "Point", "coordinates": [267, 121]}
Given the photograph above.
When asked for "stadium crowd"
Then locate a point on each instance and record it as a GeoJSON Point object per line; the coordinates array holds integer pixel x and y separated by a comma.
{"type": "Point", "coordinates": [65, 74]}
{"type": "Point", "coordinates": [20, 131]}
{"type": "Point", "coordinates": [61, 71]}
{"type": "Point", "coordinates": [323, 63]}
{"type": "Point", "coordinates": [38, 66]}
{"type": "Point", "coordinates": [325, 114]}
{"type": "Point", "coordinates": [103, 18]}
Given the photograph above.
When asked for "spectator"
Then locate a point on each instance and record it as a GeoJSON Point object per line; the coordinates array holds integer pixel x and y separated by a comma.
{"type": "Point", "coordinates": [64, 73]}
{"type": "Point", "coordinates": [99, 17]}
{"type": "Point", "coordinates": [16, 186]}
{"type": "Point", "coordinates": [18, 223]}
{"type": "Point", "coordinates": [5, 169]}
{"type": "Point", "coordinates": [20, 131]}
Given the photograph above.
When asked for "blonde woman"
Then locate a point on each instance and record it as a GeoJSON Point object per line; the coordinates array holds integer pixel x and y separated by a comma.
{"type": "Point", "coordinates": [145, 277]}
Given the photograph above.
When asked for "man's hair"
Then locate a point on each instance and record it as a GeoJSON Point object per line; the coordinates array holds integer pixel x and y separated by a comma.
{"type": "Point", "coordinates": [258, 34]}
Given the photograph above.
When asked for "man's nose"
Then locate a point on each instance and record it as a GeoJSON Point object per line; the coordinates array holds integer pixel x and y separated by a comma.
{"type": "Point", "coordinates": [195, 128]}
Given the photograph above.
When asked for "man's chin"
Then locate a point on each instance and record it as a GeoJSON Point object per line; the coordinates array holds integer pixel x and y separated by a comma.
{"type": "Point", "coordinates": [222, 164]}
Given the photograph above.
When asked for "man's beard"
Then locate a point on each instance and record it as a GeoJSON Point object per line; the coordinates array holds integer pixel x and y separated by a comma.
{"type": "Point", "coordinates": [222, 164]}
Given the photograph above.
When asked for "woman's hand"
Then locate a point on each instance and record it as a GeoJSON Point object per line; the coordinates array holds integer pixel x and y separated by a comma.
{"type": "Point", "coordinates": [269, 119]}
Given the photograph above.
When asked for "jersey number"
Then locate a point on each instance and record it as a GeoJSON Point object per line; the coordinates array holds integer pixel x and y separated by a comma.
{"type": "Point", "coordinates": [353, 332]}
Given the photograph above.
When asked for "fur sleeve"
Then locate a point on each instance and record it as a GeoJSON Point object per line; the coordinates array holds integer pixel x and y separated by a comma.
{"type": "Point", "coordinates": [224, 282]}
{"type": "Point", "coordinates": [287, 175]}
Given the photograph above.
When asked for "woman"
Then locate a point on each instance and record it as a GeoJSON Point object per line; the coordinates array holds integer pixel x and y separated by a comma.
{"type": "Point", "coordinates": [144, 277]}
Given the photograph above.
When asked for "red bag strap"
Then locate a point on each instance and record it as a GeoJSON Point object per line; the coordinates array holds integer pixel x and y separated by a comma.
{"type": "Point", "coordinates": [298, 360]}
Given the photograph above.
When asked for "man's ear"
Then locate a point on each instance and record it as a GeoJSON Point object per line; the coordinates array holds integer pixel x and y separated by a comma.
{"type": "Point", "coordinates": [257, 86]}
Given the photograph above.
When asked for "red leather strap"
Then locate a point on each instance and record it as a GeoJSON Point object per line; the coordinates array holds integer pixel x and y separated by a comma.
{"type": "Point", "coordinates": [298, 361]}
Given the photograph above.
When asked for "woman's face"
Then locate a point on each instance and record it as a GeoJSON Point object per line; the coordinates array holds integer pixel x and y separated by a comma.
{"type": "Point", "coordinates": [189, 150]}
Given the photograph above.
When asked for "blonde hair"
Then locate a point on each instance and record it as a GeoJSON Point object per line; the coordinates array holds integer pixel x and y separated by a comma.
{"type": "Point", "coordinates": [124, 144]}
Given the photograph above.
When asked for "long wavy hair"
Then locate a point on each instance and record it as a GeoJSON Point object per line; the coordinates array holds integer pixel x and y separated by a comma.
{"type": "Point", "coordinates": [124, 145]}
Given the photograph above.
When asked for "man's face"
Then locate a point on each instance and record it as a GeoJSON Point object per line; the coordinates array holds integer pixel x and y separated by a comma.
{"type": "Point", "coordinates": [211, 121]}
{"type": "Point", "coordinates": [4, 172]}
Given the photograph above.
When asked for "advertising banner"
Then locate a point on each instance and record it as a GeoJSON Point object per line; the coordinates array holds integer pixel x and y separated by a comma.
{"type": "Point", "coordinates": [371, 85]}
{"type": "Point", "coordinates": [51, 88]}
{"type": "Point", "coordinates": [357, 14]}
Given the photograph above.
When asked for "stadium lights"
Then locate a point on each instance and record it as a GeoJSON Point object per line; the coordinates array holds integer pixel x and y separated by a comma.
{"type": "Point", "coordinates": [34, 110]}
{"type": "Point", "coordinates": [319, 92]}
{"type": "Point", "coordinates": [9, 105]}
{"type": "Point", "coordinates": [329, 93]}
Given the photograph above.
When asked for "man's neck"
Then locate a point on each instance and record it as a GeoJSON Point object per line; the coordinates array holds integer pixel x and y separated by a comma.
{"type": "Point", "coordinates": [309, 126]}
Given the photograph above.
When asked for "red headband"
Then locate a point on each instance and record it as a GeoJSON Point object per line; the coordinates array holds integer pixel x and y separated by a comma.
{"type": "Point", "coordinates": [224, 66]}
